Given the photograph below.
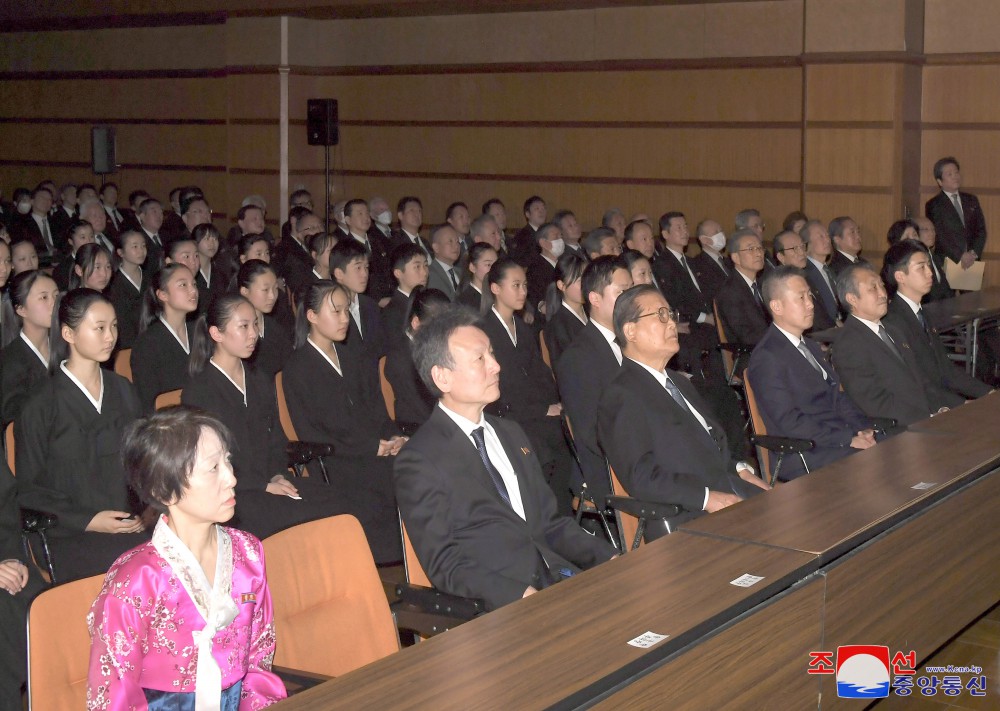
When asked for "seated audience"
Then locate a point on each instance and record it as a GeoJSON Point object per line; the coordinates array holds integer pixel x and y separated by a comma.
{"type": "Point", "coordinates": [571, 231]}
{"type": "Point", "coordinates": [151, 220]}
{"type": "Point", "coordinates": [258, 284]}
{"type": "Point", "coordinates": [210, 279]}
{"type": "Point", "coordinates": [821, 278]}
{"type": "Point", "coordinates": [542, 267]}
{"type": "Point", "coordinates": [410, 213]}
{"type": "Point", "coordinates": [482, 257]}
{"type": "Point", "coordinates": [69, 439]}
{"type": "Point", "coordinates": [24, 362]}
{"type": "Point", "coordinates": [794, 221]}
{"type": "Point", "coordinates": [927, 234]}
{"type": "Point", "coordinates": [319, 246]}
{"type": "Point", "coordinates": [798, 391]}
{"type": "Point", "coordinates": [739, 301]}
{"type": "Point", "coordinates": [128, 284]}
{"type": "Point", "coordinates": [376, 246]}
{"type": "Point", "coordinates": [36, 226]}
{"type": "Point", "coordinates": [659, 436]}
{"type": "Point", "coordinates": [443, 273]}
{"type": "Point", "coordinates": [710, 266]}
{"type": "Point", "coordinates": [93, 212]}
{"type": "Point", "coordinates": [184, 621]}
{"type": "Point", "coordinates": [381, 228]}
{"type": "Point", "coordinates": [91, 268]}
{"type": "Point", "coordinates": [9, 326]}
{"type": "Point", "coordinates": [78, 233]}
{"type": "Point", "coordinates": [366, 332]}
{"type": "Point", "coordinates": [24, 258]}
{"type": "Point", "coordinates": [565, 314]}
{"type": "Point", "coordinates": [902, 229]}
{"type": "Point", "coordinates": [614, 219]}
{"type": "Point", "coordinates": [409, 269]}
{"type": "Point", "coordinates": [847, 241]}
{"type": "Point", "coordinates": [486, 229]}
{"type": "Point", "coordinates": [522, 247]}
{"type": "Point", "coordinates": [162, 349]}
{"type": "Point", "coordinates": [292, 260]}
{"type": "Point", "coordinates": [457, 215]}
{"type": "Point", "coordinates": [640, 268]}
{"type": "Point", "coordinates": [639, 239]}
{"type": "Point", "coordinates": [470, 488]}
{"type": "Point", "coordinates": [601, 242]}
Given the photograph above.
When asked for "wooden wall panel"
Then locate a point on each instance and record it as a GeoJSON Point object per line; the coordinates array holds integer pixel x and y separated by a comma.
{"type": "Point", "coordinates": [977, 151]}
{"type": "Point", "coordinates": [850, 92]}
{"type": "Point", "coordinates": [256, 96]}
{"type": "Point", "coordinates": [961, 26]}
{"type": "Point", "coordinates": [873, 213]}
{"type": "Point", "coordinates": [961, 93]}
{"type": "Point", "coordinates": [855, 25]}
{"type": "Point", "coordinates": [849, 157]}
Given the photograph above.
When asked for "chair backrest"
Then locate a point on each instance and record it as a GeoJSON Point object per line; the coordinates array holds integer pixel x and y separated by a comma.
{"type": "Point", "coordinates": [283, 415]}
{"type": "Point", "coordinates": [171, 397]}
{"type": "Point", "coordinates": [8, 443]}
{"type": "Point", "coordinates": [123, 363]}
{"type": "Point", "coordinates": [415, 574]}
{"type": "Point", "coordinates": [387, 392]}
{"type": "Point", "coordinates": [59, 645]}
{"type": "Point", "coordinates": [727, 356]}
{"type": "Point", "coordinates": [757, 423]}
{"type": "Point", "coordinates": [627, 524]}
{"type": "Point", "coordinates": [330, 610]}
{"type": "Point", "coordinates": [545, 349]}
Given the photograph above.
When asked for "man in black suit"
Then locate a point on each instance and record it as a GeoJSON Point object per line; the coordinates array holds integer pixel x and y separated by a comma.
{"type": "Point", "coordinates": [875, 360]}
{"type": "Point", "coordinates": [443, 272]}
{"type": "Point", "coordinates": [64, 213]}
{"type": "Point", "coordinates": [409, 268]}
{"type": "Point", "coordinates": [375, 245]}
{"type": "Point", "coordinates": [486, 230]}
{"type": "Point", "coordinates": [656, 431]}
{"type": "Point", "coordinates": [470, 490]}
{"type": "Point", "coordinates": [381, 228]}
{"type": "Point", "coordinates": [542, 267]}
{"type": "Point", "coordinates": [847, 240]}
{"type": "Point", "coordinates": [940, 288]}
{"type": "Point", "coordinates": [822, 281]}
{"type": "Point", "coordinates": [589, 363]}
{"type": "Point", "coordinates": [291, 258]}
{"type": "Point", "coordinates": [907, 271]}
{"type": "Point", "coordinates": [36, 226]}
{"type": "Point", "coordinates": [601, 242]}
{"type": "Point", "coordinates": [93, 212]}
{"type": "Point", "coordinates": [711, 268]}
{"type": "Point", "coordinates": [960, 224]}
{"type": "Point", "coordinates": [410, 213]}
{"type": "Point", "coordinates": [521, 247]}
{"type": "Point", "coordinates": [739, 301]}
{"type": "Point", "coordinates": [109, 201]}
{"type": "Point", "coordinates": [571, 231]}
{"type": "Point", "coordinates": [150, 216]}
{"type": "Point", "coordinates": [798, 392]}
{"type": "Point", "coordinates": [457, 215]}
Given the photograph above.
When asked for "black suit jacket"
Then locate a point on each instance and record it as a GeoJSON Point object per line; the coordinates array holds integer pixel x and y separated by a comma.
{"type": "Point", "coordinates": [469, 541]}
{"type": "Point", "coordinates": [583, 371]}
{"type": "Point", "coordinates": [954, 238]}
{"type": "Point", "coordinates": [941, 289]}
{"type": "Point", "coordinates": [413, 401]}
{"type": "Point", "coordinates": [795, 401]}
{"type": "Point", "coordinates": [526, 385]}
{"type": "Point", "coordinates": [292, 262]}
{"type": "Point", "coordinates": [838, 262]}
{"type": "Point", "coordinates": [540, 275]}
{"type": "Point", "coordinates": [881, 384]}
{"type": "Point", "coordinates": [523, 246]}
{"type": "Point", "coordinates": [929, 353]}
{"type": "Point", "coordinates": [659, 451]}
{"type": "Point", "coordinates": [393, 317]}
{"type": "Point", "coordinates": [59, 221]}
{"type": "Point", "coordinates": [827, 307]}
{"type": "Point", "coordinates": [154, 253]}
{"type": "Point", "coordinates": [25, 227]}
{"type": "Point", "coordinates": [560, 330]}
{"type": "Point", "coordinates": [710, 275]}
{"type": "Point", "coordinates": [678, 288]}
{"type": "Point", "coordinates": [469, 296]}
{"type": "Point", "coordinates": [743, 318]}
{"type": "Point", "coordinates": [380, 279]}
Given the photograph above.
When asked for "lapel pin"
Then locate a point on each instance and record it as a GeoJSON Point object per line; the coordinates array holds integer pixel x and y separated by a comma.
{"type": "Point", "coordinates": [525, 450]}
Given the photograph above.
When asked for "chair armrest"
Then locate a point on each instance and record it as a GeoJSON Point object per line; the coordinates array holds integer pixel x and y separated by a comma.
{"type": "Point", "coordinates": [785, 445]}
{"type": "Point", "coordinates": [299, 453]}
{"type": "Point", "coordinates": [433, 601]}
{"type": "Point", "coordinates": [33, 521]}
{"type": "Point", "coordinates": [736, 348]}
{"type": "Point", "coordinates": [642, 509]}
{"type": "Point", "coordinates": [296, 680]}
{"type": "Point", "coordinates": [883, 424]}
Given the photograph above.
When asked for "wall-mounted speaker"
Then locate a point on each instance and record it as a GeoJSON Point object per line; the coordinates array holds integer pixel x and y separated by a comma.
{"type": "Point", "coordinates": [102, 150]}
{"type": "Point", "coordinates": [322, 123]}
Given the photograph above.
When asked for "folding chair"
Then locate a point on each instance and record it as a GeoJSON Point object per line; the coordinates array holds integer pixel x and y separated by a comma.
{"type": "Point", "coordinates": [33, 522]}
{"type": "Point", "coordinates": [299, 453]}
{"type": "Point", "coordinates": [632, 514]}
{"type": "Point", "coordinates": [583, 501]}
{"type": "Point", "coordinates": [767, 444]}
{"type": "Point", "coordinates": [387, 392]}
{"type": "Point", "coordinates": [123, 363]}
{"type": "Point", "coordinates": [168, 399]}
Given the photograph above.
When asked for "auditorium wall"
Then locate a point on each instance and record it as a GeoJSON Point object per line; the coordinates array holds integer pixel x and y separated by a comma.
{"type": "Point", "coordinates": [833, 106]}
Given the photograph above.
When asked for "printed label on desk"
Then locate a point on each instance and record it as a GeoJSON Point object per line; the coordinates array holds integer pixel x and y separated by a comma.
{"type": "Point", "coordinates": [746, 580]}
{"type": "Point", "coordinates": [924, 485]}
{"type": "Point", "coordinates": [647, 640]}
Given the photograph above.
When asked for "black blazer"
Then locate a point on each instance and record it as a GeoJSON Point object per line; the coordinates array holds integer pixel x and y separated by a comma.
{"type": "Point", "coordinates": [159, 364]}
{"type": "Point", "coordinates": [825, 299]}
{"type": "Point", "coordinates": [583, 371]}
{"type": "Point", "coordinates": [293, 263]}
{"type": "Point", "coordinates": [414, 401]}
{"type": "Point", "coordinates": [381, 283]}
{"type": "Point", "coordinates": [940, 289]}
{"type": "Point", "coordinates": [469, 541]}
{"type": "Point", "coordinates": [710, 275]}
{"type": "Point", "coordinates": [659, 451]}
{"type": "Point", "coordinates": [678, 288]}
{"type": "Point", "coordinates": [471, 297]}
{"type": "Point", "coordinates": [527, 388]}
{"type": "Point", "coordinates": [394, 317]}
{"type": "Point", "coordinates": [523, 246]}
{"type": "Point", "coordinates": [21, 372]}
{"type": "Point", "coordinates": [743, 318]}
{"type": "Point", "coordinates": [273, 348]}
{"type": "Point", "coordinates": [25, 227]}
{"type": "Point", "coordinates": [560, 330]}
{"type": "Point", "coordinates": [881, 384]}
{"type": "Point", "coordinates": [399, 237]}
{"type": "Point", "coordinates": [795, 401]}
{"type": "Point", "coordinates": [838, 262]}
{"type": "Point", "coordinates": [127, 301]}
{"type": "Point", "coordinates": [929, 353]}
{"type": "Point", "coordinates": [954, 238]}
{"type": "Point", "coordinates": [540, 275]}
{"type": "Point", "coordinates": [370, 343]}
{"type": "Point", "coordinates": [59, 222]}
{"type": "Point", "coordinates": [208, 292]}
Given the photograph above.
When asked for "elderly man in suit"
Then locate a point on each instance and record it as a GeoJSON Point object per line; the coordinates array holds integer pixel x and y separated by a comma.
{"type": "Point", "coordinates": [847, 240]}
{"type": "Point", "coordinates": [798, 391]}
{"type": "Point", "coordinates": [657, 432]}
{"type": "Point", "coordinates": [940, 288]}
{"type": "Point", "coordinates": [960, 224]}
{"type": "Point", "coordinates": [876, 361]}
{"type": "Point", "coordinates": [443, 273]}
{"type": "Point", "coordinates": [711, 267]}
{"type": "Point", "coordinates": [739, 301]}
{"type": "Point", "coordinates": [822, 280]}
{"type": "Point", "coordinates": [470, 490]}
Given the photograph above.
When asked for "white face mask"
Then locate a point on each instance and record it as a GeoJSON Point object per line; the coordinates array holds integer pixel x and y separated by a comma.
{"type": "Point", "coordinates": [718, 241]}
{"type": "Point", "coordinates": [384, 218]}
{"type": "Point", "coordinates": [558, 247]}
{"type": "Point", "coordinates": [24, 207]}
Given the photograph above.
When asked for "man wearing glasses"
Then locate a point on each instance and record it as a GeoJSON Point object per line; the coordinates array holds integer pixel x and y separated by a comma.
{"type": "Point", "coordinates": [791, 250]}
{"type": "Point", "coordinates": [739, 301]}
{"type": "Point", "coordinates": [657, 432]}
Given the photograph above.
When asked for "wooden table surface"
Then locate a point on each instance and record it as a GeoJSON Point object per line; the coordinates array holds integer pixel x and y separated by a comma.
{"type": "Point", "coordinates": [949, 313]}
{"type": "Point", "coordinates": [568, 643]}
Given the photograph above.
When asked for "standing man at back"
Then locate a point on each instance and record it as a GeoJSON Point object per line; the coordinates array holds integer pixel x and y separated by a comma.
{"type": "Point", "coordinates": [957, 217]}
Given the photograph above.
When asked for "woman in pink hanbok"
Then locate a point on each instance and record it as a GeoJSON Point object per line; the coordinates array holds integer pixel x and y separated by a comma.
{"type": "Point", "coordinates": [184, 622]}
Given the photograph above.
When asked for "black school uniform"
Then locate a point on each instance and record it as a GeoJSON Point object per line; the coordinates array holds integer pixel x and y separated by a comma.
{"type": "Point", "coordinates": [159, 363]}
{"type": "Point", "coordinates": [344, 411]}
{"type": "Point", "coordinates": [273, 347]}
{"type": "Point", "coordinates": [127, 300]}
{"type": "Point", "coordinates": [259, 452]}
{"type": "Point", "coordinates": [414, 402]}
{"type": "Point", "coordinates": [21, 370]}
{"type": "Point", "coordinates": [69, 463]}
{"type": "Point", "coordinates": [560, 330]}
{"type": "Point", "coordinates": [208, 291]}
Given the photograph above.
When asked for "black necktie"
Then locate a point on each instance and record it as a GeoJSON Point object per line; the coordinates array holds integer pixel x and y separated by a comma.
{"type": "Point", "coordinates": [454, 279]}
{"type": "Point", "coordinates": [757, 296]}
{"type": "Point", "coordinates": [675, 393]}
{"type": "Point", "coordinates": [884, 335]}
{"type": "Point", "coordinates": [922, 319]}
{"type": "Point", "coordinates": [479, 435]}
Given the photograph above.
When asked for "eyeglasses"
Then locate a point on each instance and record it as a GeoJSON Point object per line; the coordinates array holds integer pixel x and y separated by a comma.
{"type": "Point", "coordinates": [801, 247]}
{"type": "Point", "coordinates": [664, 313]}
{"type": "Point", "coordinates": [755, 249]}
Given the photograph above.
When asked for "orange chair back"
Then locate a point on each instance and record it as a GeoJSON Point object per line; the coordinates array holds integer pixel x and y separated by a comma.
{"type": "Point", "coordinates": [727, 357]}
{"type": "Point", "coordinates": [627, 524]}
{"type": "Point", "coordinates": [8, 441]}
{"type": "Point", "coordinates": [59, 645]}
{"type": "Point", "coordinates": [387, 392]}
{"type": "Point", "coordinates": [167, 399]}
{"type": "Point", "coordinates": [545, 349]}
{"type": "Point", "coordinates": [757, 422]}
{"type": "Point", "coordinates": [283, 415]}
{"type": "Point", "coordinates": [415, 574]}
{"type": "Point", "coordinates": [123, 363]}
{"type": "Point", "coordinates": [330, 610]}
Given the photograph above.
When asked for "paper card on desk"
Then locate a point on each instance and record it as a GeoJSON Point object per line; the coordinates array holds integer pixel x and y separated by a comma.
{"type": "Point", "coordinates": [647, 640]}
{"type": "Point", "coordinates": [746, 580]}
{"type": "Point", "coordinates": [924, 485]}
{"type": "Point", "coordinates": [970, 279]}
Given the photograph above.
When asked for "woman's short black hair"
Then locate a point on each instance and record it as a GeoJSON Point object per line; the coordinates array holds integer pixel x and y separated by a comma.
{"type": "Point", "coordinates": [159, 452]}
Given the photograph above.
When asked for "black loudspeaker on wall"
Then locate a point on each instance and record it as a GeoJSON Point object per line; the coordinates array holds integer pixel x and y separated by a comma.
{"type": "Point", "coordinates": [102, 150]}
{"type": "Point", "coordinates": [322, 122]}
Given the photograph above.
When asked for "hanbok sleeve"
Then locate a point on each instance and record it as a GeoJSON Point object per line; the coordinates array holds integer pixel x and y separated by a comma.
{"type": "Point", "coordinates": [261, 686]}
{"type": "Point", "coordinates": [117, 634]}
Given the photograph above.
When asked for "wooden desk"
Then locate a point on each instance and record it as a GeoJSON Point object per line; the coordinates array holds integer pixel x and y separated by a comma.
{"type": "Point", "coordinates": [568, 644]}
{"type": "Point", "coordinates": [966, 315]}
